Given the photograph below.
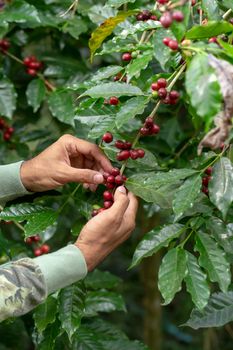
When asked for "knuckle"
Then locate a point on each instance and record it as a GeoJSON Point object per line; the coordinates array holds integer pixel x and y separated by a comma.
{"type": "Point", "coordinates": [64, 138]}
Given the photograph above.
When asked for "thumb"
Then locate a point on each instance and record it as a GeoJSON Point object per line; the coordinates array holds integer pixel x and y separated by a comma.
{"type": "Point", "coordinates": [121, 202]}
{"type": "Point", "coordinates": [84, 176]}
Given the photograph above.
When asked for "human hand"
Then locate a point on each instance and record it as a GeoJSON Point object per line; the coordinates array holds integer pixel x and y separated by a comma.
{"type": "Point", "coordinates": [102, 234]}
{"type": "Point", "coordinates": [69, 159]}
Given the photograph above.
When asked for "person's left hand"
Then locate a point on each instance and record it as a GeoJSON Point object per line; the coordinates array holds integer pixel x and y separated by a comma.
{"type": "Point", "coordinates": [67, 160]}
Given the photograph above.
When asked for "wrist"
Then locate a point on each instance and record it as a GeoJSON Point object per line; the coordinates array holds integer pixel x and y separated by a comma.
{"type": "Point", "coordinates": [26, 175]}
{"type": "Point", "coordinates": [91, 256]}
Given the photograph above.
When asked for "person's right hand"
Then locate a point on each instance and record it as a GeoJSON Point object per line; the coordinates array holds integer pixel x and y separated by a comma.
{"type": "Point", "coordinates": [102, 234]}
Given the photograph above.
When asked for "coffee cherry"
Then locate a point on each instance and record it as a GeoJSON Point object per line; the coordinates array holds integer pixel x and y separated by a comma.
{"type": "Point", "coordinates": [162, 93]}
{"type": "Point", "coordinates": [206, 180]}
{"type": "Point", "coordinates": [193, 2]}
{"type": "Point", "coordinates": [111, 179]}
{"type": "Point", "coordinates": [173, 44]}
{"type": "Point", "coordinates": [166, 20]}
{"type": "Point", "coordinates": [209, 171]}
{"type": "Point", "coordinates": [107, 204]}
{"type": "Point", "coordinates": [2, 124]}
{"type": "Point", "coordinates": [107, 137]}
{"type": "Point", "coordinates": [144, 131]}
{"type": "Point", "coordinates": [108, 196]}
{"type": "Point", "coordinates": [166, 41]}
{"type": "Point", "coordinates": [205, 190]}
{"type": "Point", "coordinates": [162, 83]}
{"type": "Point", "coordinates": [29, 240]}
{"type": "Point", "coordinates": [6, 136]}
{"type": "Point", "coordinates": [10, 130]}
{"type": "Point", "coordinates": [162, 2]}
{"type": "Point", "coordinates": [94, 212]}
{"type": "Point", "coordinates": [134, 154]}
{"type": "Point", "coordinates": [110, 185]}
{"type": "Point", "coordinates": [174, 95]}
{"type": "Point", "coordinates": [127, 145]}
{"type": "Point", "coordinates": [124, 178]}
{"type": "Point", "coordinates": [146, 15]}
{"type": "Point", "coordinates": [141, 153]}
{"type": "Point", "coordinates": [4, 45]}
{"type": "Point", "coordinates": [167, 100]}
{"type": "Point", "coordinates": [126, 56]}
{"type": "Point", "coordinates": [119, 144]}
{"type": "Point", "coordinates": [113, 101]}
{"type": "Point", "coordinates": [153, 18]}
{"type": "Point", "coordinates": [154, 86]}
{"type": "Point", "coordinates": [34, 65]}
{"type": "Point", "coordinates": [155, 129]}
{"type": "Point", "coordinates": [134, 54]}
{"type": "Point", "coordinates": [123, 155]}
{"type": "Point", "coordinates": [105, 175]}
{"type": "Point", "coordinates": [119, 179]}
{"type": "Point", "coordinates": [115, 171]}
{"type": "Point", "coordinates": [37, 252]}
{"type": "Point", "coordinates": [31, 72]}
{"type": "Point", "coordinates": [213, 40]}
{"type": "Point", "coordinates": [36, 238]}
{"type": "Point", "coordinates": [149, 122]}
{"type": "Point", "coordinates": [178, 16]}
{"type": "Point", "coordinates": [45, 248]}
{"type": "Point", "coordinates": [140, 17]}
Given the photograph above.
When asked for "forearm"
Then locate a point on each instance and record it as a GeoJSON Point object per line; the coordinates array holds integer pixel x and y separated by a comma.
{"type": "Point", "coordinates": [26, 283]}
{"type": "Point", "coordinates": [11, 184]}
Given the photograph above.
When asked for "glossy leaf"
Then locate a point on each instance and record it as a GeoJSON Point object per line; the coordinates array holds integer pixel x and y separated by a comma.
{"type": "Point", "coordinates": [7, 98]}
{"type": "Point", "coordinates": [49, 337]}
{"type": "Point", "coordinates": [187, 194]}
{"type": "Point", "coordinates": [196, 282]}
{"type": "Point", "coordinates": [118, 3]}
{"type": "Point", "coordinates": [39, 222]}
{"type": "Point", "coordinates": [154, 240]}
{"type": "Point", "coordinates": [21, 12]}
{"type": "Point", "coordinates": [128, 110]}
{"type": "Point", "coordinates": [161, 52]}
{"type": "Point", "coordinates": [113, 89]}
{"type": "Point", "coordinates": [171, 273]}
{"type": "Point", "coordinates": [61, 105]}
{"type": "Point", "coordinates": [213, 260]}
{"type": "Point", "coordinates": [221, 233]}
{"type": "Point", "coordinates": [21, 212]}
{"type": "Point", "coordinates": [101, 279]}
{"type": "Point", "coordinates": [221, 185]}
{"type": "Point", "coordinates": [106, 72]}
{"type": "Point", "coordinates": [138, 64]}
{"type": "Point", "coordinates": [217, 313]}
{"type": "Point", "coordinates": [202, 85]}
{"type": "Point", "coordinates": [209, 30]}
{"type": "Point", "coordinates": [71, 307]}
{"type": "Point", "coordinates": [96, 125]}
{"type": "Point", "coordinates": [35, 93]}
{"type": "Point", "coordinates": [139, 27]}
{"type": "Point", "coordinates": [211, 8]}
{"type": "Point", "coordinates": [45, 314]}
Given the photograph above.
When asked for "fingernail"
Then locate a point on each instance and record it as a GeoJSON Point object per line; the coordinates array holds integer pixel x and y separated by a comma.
{"type": "Point", "coordinates": [86, 186]}
{"type": "Point", "coordinates": [122, 189]}
{"type": "Point", "coordinates": [98, 179]}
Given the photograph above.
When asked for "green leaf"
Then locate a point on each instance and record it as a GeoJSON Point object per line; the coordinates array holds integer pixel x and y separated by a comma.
{"type": "Point", "coordinates": [106, 29]}
{"type": "Point", "coordinates": [21, 12]}
{"type": "Point", "coordinates": [138, 64]}
{"type": "Point", "coordinates": [35, 93]}
{"type": "Point", "coordinates": [97, 125]}
{"type": "Point", "coordinates": [161, 52]}
{"type": "Point", "coordinates": [209, 30]}
{"type": "Point", "coordinates": [187, 194]}
{"type": "Point", "coordinates": [113, 89]}
{"type": "Point", "coordinates": [49, 336]}
{"type": "Point", "coordinates": [62, 106]}
{"type": "Point", "coordinates": [172, 273]}
{"type": "Point", "coordinates": [227, 47]}
{"type": "Point", "coordinates": [196, 283]}
{"type": "Point", "coordinates": [227, 3]}
{"type": "Point", "coordinates": [139, 27]}
{"type": "Point", "coordinates": [202, 85]}
{"type": "Point", "coordinates": [128, 110]}
{"type": "Point", "coordinates": [103, 301]}
{"type": "Point", "coordinates": [221, 233]}
{"type": "Point", "coordinates": [75, 26]}
{"type": "Point", "coordinates": [106, 72]}
{"type": "Point", "coordinates": [179, 29]}
{"type": "Point", "coordinates": [221, 185]}
{"type": "Point", "coordinates": [7, 98]}
{"type": "Point", "coordinates": [45, 314]}
{"type": "Point", "coordinates": [217, 313]}
{"type": "Point", "coordinates": [118, 3]}
{"type": "Point", "coordinates": [213, 260]}
{"type": "Point", "coordinates": [159, 188]}
{"type": "Point", "coordinates": [211, 8]}
{"type": "Point", "coordinates": [101, 279]}
{"type": "Point", "coordinates": [39, 222]}
{"type": "Point", "coordinates": [154, 240]}
{"type": "Point", "coordinates": [71, 307]}
{"type": "Point", "coordinates": [21, 212]}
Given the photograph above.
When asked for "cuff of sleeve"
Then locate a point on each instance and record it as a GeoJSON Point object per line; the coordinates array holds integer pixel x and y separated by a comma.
{"type": "Point", "coordinates": [62, 268]}
{"type": "Point", "coordinates": [11, 184]}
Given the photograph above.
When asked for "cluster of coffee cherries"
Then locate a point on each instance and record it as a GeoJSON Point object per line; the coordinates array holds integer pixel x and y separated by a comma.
{"type": "Point", "coordinates": [149, 127]}
{"type": "Point", "coordinates": [112, 181]}
{"type": "Point", "coordinates": [145, 15]}
{"type": "Point", "coordinates": [37, 249]}
{"type": "Point", "coordinates": [4, 45]}
{"type": "Point", "coordinates": [171, 43]}
{"type": "Point", "coordinates": [33, 65]}
{"type": "Point", "coordinates": [159, 87]}
{"type": "Point", "coordinates": [125, 147]}
{"type": "Point", "coordinates": [120, 77]}
{"type": "Point", "coordinates": [6, 129]}
{"type": "Point", "coordinates": [205, 180]}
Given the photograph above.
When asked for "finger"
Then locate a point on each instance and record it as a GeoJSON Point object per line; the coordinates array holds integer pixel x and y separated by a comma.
{"type": "Point", "coordinates": [84, 176]}
{"type": "Point", "coordinates": [131, 211]}
{"type": "Point", "coordinates": [121, 202]}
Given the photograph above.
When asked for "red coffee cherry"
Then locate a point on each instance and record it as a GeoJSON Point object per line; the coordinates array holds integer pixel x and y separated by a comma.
{"type": "Point", "coordinates": [162, 2]}
{"type": "Point", "coordinates": [155, 129]}
{"type": "Point", "coordinates": [213, 40]}
{"type": "Point", "coordinates": [127, 56]}
{"type": "Point", "coordinates": [29, 240]}
{"type": "Point", "coordinates": [123, 155]}
{"type": "Point", "coordinates": [31, 72]}
{"type": "Point", "coordinates": [107, 204]}
{"type": "Point", "coordinates": [115, 172]}
{"type": "Point", "coordinates": [205, 190]}
{"type": "Point", "coordinates": [166, 41]}
{"type": "Point", "coordinates": [2, 124]}
{"type": "Point", "coordinates": [174, 95]}
{"type": "Point", "coordinates": [37, 252]}
{"type": "Point", "coordinates": [206, 180]}
{"type": "Point", "coordinates": [119, 144]}
{"type": "Point", "coordinates": [6, 136]}
{"type": "Point", "coordinates": [153, 18]}
{"type": "Point", "coordinates": [144, 131]}
{"type": "Point", "coordinates": [108, 196]}
{"type": "Point", "coordinates": [110, 185]}
{"type": "Point", "coordinates": [10, 130]}
{"type": "Point", "coordinates": [178, 16]}
{"type": "Point", "coordinates": [36, 238]}
{"type": "Point", "coordinates": [149, 122]}
{"type": "Point", "coordinates": [173, 44]}
{"type": "Point", "coordinates": [124, 178]}
{"type": "Point", "coordinates": [209, 171]}
{"type": "Point", "coordinates": [4, 45]}
{"type": "Point", "coordinates": [45, 249]}
{"type": "Point", "coordinates": [34, 65]}
{"type": "Point", "coordinates": [141, 153]}
{"type": "Point", "coordinates": [111, 179]}
{"type": "Point", "coordinates": [162, 93]}
{"type": "Point", "coordinates": [140, 17]}
{"type": "Point", "coordinates": [134, 154]}
{"type": "Point", "coordinates": [154, 86]}
{"type": "Point", "coordinates": [127, 145]}
{"type": "Point", "coordinates": [94, 213]}
{"type": "Point", "coordinates": [166, 20]}
{"type": "Point", "coordinates": [162, 83]}
{"type": "Point", "coordinates": [193, 2]}
{"type": "Point", "coordinates": [119, 180]}
{"type": "Point", "coordinates": [113, 101]}
{"type": "Point", "coordinates": [106, 175]}
{"type": "Point", "coordinates": [107, 137]}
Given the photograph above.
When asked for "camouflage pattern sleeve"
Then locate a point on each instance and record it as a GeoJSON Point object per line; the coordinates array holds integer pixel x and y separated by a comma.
{"type": "Point", "coordinates": [22, 288]}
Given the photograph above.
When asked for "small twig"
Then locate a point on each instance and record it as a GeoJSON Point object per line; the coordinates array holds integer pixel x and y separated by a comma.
{"type": "Point", "coordinates": [226, 14]}
{"type": "Point", "coordinates": [72, 9]}
{"type": "Point", "coordinates": [70, 196]}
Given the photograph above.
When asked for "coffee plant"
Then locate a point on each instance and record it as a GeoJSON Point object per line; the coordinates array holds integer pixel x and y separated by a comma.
{"type": "Point", "coordinates": [150, 82]}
